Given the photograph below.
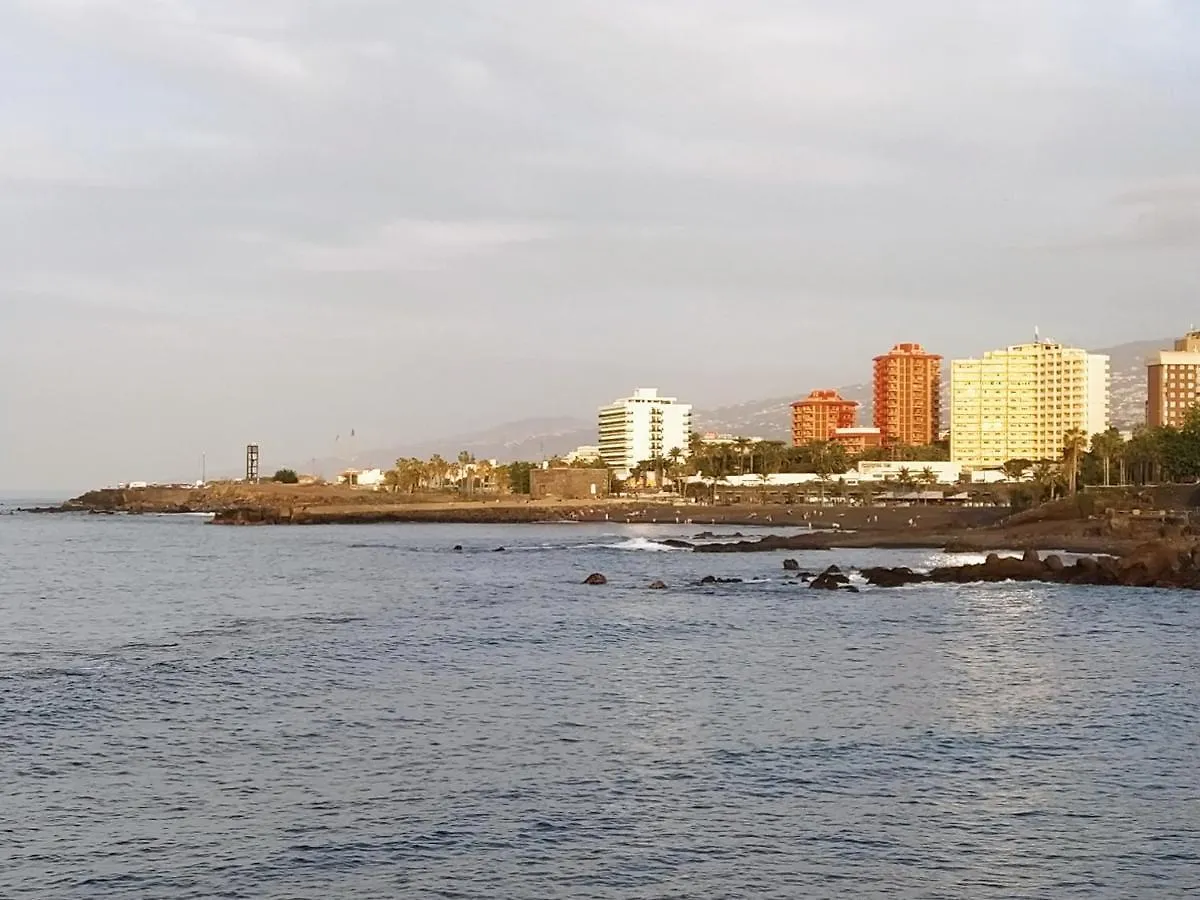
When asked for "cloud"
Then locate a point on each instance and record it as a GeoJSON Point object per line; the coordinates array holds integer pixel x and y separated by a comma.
{"type": "Point", "coordinates": [406, 245]}
{"type": "Point", "coordinates": [499, 186]}
{"type": "Point", "coordinates": [178, 35]}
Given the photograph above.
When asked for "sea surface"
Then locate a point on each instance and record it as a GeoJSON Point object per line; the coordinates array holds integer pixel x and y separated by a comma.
{"type": "Point", "coordinates": [193, 711]}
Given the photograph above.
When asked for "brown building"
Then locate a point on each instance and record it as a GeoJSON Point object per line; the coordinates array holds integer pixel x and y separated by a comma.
{"type": "Point", "coordinates": [819, 415]}
{"type": "Point", "coordinates": [908, 395]}
{"type": "Point", "coordinates": [568, 484]}
{"type": "Point", "coordinates": [1171, 382]}
{"type": "Point", "coordinates": [858, 441]}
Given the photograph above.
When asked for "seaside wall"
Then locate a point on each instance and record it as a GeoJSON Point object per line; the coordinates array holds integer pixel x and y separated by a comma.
{"type": "Point", "coordinates": [568, 484]}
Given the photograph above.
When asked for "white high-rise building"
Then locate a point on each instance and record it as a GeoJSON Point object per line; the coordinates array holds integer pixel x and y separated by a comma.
{"type": "Point", "coordinates": [643, 427]}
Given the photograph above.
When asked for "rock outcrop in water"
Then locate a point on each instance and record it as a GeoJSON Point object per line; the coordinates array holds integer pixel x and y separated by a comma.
{"type": "Point", "coordinates": [832, 579]}
{"type": "Point", "coordinates": [1161, 564]}
{"type": "Point", "coordinates": [595, 578]}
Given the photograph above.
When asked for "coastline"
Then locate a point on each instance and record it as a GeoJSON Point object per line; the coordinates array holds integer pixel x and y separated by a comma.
{"type": "Point", "coordinates": [776, 527]}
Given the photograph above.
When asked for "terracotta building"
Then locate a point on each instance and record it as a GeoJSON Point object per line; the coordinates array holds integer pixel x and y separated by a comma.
{"type": "Point", "coordinates": [908, 395]}
{"type": "Point", "coordinates": [858, 441]}
{"type": "Point", "coordinates": [1173, 383]}
{"type": "Point", "coordinates": [819, 415]}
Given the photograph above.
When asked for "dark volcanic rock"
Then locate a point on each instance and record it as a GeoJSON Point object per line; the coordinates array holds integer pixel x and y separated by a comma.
{"type": "Point", "coordinates": [791, 565]}
{"type": "Point", "coordinates": [713, 579]}
{"type": "Point", "coordinates": [831, 579]}
{"type": "Point", "coordinates": [658, 586]}
{"type": "Point", "coordinates": [1161, 564]}
{"type": "Point", "coordinates": [897, 577]}
{"type": "Point", "coordinates": [677, 544]}
{"type": "Point", "coordinates": [595, 578]}
{"type": "Point", "coordinates": [770, 543]}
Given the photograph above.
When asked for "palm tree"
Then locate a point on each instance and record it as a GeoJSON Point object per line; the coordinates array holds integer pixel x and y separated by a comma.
{"type": "Point", "coordinates": [438, 470]}
{"type": "Point", "coordinates": [1045, 474]}
{"type": "Point", "coordinates": [1108, 445]}
{"type": "Point", "coordinates": [765, 481]}
{"type": "Point", "coordinates": [483, 472]}
{"type": "Point", "coordinates": [743, 447]}
{"type": "Point", "coordinates": [927, 479]}
{"type": "Point", "coordinates": [772, 454]}
{"type": "Point", "coordinates": [1015, 469]}
{"type": "Point", "coordinates": [905, 478]}
{"type": "Point", "coordinates": [409, 474]}
{"type": "Point", "coordinates": [466, 475]}
{"type": "Point", "coordinates": [1075, 443]}
{"type": "Point", "coordinates": [1144, 455]}
{"type": "Point", "coordinates": [675, 455]}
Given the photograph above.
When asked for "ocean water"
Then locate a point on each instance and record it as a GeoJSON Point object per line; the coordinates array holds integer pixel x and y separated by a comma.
{"type": "Point", "coordinates": [191, 711]}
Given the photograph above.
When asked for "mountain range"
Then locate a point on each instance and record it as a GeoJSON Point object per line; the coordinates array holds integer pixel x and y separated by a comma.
{"type": "Point", "coordinates": [540, 438]}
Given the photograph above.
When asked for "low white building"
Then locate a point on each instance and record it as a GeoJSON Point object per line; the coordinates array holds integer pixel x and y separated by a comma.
{"type": "Point", "coordinates": [891, 470]}
{"type": "Point", "coordinates": [368, 478]}
{"type": "Point", "coordinates": [584, 454]}
{"type": "Point", "coordinates": [867, 472]}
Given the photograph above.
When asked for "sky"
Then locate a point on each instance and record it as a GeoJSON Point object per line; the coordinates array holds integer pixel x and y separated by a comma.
{"type": "Point", "coordinates": [224, 221]}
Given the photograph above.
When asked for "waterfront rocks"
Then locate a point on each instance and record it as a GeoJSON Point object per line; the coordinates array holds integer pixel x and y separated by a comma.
{"type": "Point", "coordinates": [814, 541]}
{"type": "Point", "coordinates": [791, 565]}
{"type": "Point", "coordinates": [658, 585]}
{"type": "Point", "coordinates": [898, 577]}
{"type": "Point", "coordinates": [595, 578]}
{"type": "Point", "coordinates": [832, 579]}
{"type": "Point", "coordinates": [677, 544]}
{"type": "Point", "coordinates": [1161, 564]}
{"type": "Point", "coordinates": [713, 579]}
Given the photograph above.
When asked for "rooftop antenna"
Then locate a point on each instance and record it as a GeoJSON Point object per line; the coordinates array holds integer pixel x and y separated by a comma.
{"type": "Point", "coordinates": [1037, 337]}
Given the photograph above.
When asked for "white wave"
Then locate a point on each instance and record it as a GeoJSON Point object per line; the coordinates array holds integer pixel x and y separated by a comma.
{"type": "Point", "coordinates": [640, 543]}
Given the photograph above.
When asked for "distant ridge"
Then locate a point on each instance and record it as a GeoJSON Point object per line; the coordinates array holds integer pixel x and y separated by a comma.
{"type": "Point", "coordinates": [537, 438]}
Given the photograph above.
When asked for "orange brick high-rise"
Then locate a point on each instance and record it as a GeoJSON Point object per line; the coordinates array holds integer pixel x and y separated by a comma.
{"type": "Point", "coordinates": [819, 415]}
{"type": "Point", "coordinates": [908, 395]}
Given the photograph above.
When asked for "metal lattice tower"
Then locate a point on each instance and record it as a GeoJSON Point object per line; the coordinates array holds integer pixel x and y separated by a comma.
{"type": "Point", "coordinates": [252, 463]}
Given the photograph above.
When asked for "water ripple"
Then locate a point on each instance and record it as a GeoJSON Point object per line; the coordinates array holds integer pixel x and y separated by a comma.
{"type": "Point", "coordinates": [193, 712]}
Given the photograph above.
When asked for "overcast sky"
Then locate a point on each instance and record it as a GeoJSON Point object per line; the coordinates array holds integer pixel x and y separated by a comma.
{"type": "Point", "coordinates": [224, 220]}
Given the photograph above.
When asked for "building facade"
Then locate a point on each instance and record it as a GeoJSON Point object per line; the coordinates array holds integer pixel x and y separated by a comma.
{"type": "Point", "coordinates": [642, 427]}
{"type": "Point", "coordinates": [819, 415]}
{"type": "Point", "coordinates": [857, 441]}
{"type": "Point", "coordinates": [1020, 402]}
{"type": "Point", "coordinates": [1171, 377]}
{"type": "Point", "coordinates": [908, 395]}
{"type": "Point", "coordinates": [568, 484]}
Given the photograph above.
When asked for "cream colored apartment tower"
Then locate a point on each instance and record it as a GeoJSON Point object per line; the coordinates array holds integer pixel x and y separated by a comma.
{"type": "Point", "coordinates": [1020, 402]}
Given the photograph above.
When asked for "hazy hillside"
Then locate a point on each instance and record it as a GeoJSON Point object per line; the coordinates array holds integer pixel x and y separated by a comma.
{"type": "Point", "coordinates": [1128, 365]}
{"type": "Point", "coordinates": [537, 438]}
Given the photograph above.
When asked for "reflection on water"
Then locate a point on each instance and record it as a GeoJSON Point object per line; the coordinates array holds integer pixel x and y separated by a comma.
{"type": "Point", "coordinates": [193, 711]}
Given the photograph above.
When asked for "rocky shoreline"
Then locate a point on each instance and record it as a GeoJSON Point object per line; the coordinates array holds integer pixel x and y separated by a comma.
{"type": "Point", "coordinates": [1159, 564]}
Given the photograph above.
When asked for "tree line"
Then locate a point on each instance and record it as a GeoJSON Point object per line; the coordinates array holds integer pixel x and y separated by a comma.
{"type": "Point", "coordinates": [1152, 455]}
